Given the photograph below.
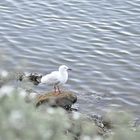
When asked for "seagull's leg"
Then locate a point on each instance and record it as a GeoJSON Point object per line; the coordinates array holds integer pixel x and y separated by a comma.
{"type": "Point", "coordinates": [58, 89]}
{"type": "Point", "coordinates": [54, 88]}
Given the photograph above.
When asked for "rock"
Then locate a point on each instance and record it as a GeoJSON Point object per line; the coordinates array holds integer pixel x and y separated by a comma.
{"type": "Point", "coordinates": [32, 77]}
{"type": "Point", "coordinates": [35, 78]}
{"type": "Point", "coordinates": [64, 99]}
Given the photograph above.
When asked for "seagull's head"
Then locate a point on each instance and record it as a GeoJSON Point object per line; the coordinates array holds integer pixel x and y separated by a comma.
{"type": "Point", "coordinates": [64, 68]}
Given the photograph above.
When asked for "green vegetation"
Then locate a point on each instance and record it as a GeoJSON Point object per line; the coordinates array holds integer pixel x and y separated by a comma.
{"type": "Point", "coordinates": [22, 121]}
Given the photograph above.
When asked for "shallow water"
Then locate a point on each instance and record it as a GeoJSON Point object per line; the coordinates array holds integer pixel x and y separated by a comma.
{"type": "Point", "coordinates": [99, 40]}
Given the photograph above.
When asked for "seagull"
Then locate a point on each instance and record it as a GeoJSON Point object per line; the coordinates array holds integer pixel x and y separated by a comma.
{"type": "Point", "coordinates": [56, 78]}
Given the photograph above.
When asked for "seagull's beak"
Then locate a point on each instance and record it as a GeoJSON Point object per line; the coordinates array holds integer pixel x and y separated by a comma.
{"type": "Point", "coordinates": [70, 69]}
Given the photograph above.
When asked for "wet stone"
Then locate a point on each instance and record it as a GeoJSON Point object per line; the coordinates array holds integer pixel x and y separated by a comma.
{"type": "Point", "coordinates": [65, 99]}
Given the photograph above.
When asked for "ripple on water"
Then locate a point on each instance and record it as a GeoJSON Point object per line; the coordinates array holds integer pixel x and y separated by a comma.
{"type": "Point", "coordinates": [100, 44]}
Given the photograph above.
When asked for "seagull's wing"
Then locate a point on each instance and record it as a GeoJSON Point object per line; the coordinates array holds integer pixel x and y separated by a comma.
{"type": "Point", "coordinates": [51, 78]}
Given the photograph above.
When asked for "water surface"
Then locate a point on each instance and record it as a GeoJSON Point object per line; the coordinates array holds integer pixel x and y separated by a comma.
{"type": "Point", "coordinates": [99, 40]}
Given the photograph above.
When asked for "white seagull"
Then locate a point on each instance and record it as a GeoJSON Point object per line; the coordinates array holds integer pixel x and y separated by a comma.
{"type": "Point", "coordinates": [56, 78]}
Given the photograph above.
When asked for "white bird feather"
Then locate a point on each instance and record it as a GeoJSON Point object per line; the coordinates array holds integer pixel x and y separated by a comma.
{"type": "Point", "coordinates": [56, 78]}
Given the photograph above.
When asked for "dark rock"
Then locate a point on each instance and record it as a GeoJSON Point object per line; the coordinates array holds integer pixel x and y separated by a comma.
{"type": "Point", "coordinates": [32, 77]}
{"type": "Point", "coordinates": [35, 78]}
{"type": "Point", "coordinates": [108, 124]}
{"type": "Point", "coordinates": [64, 99]}
{"type": "Point", "coordinates": [103, 123]}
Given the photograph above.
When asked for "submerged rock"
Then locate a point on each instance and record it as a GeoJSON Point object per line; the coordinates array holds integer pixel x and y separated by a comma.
{"type": "Point", "coordinates": [65, 99]}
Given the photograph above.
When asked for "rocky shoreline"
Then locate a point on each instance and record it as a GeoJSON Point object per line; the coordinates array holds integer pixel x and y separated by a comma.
{"type": "Point", "coordinates": [94, 124]}
{"type": "Point", "coordinates": [65, 100]}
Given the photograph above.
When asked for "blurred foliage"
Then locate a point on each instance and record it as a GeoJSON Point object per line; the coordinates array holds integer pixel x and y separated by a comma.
{"type": "Point", "coordinates": [19, 120]}
{"type": "Point", "coordinates": [22, 121]}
